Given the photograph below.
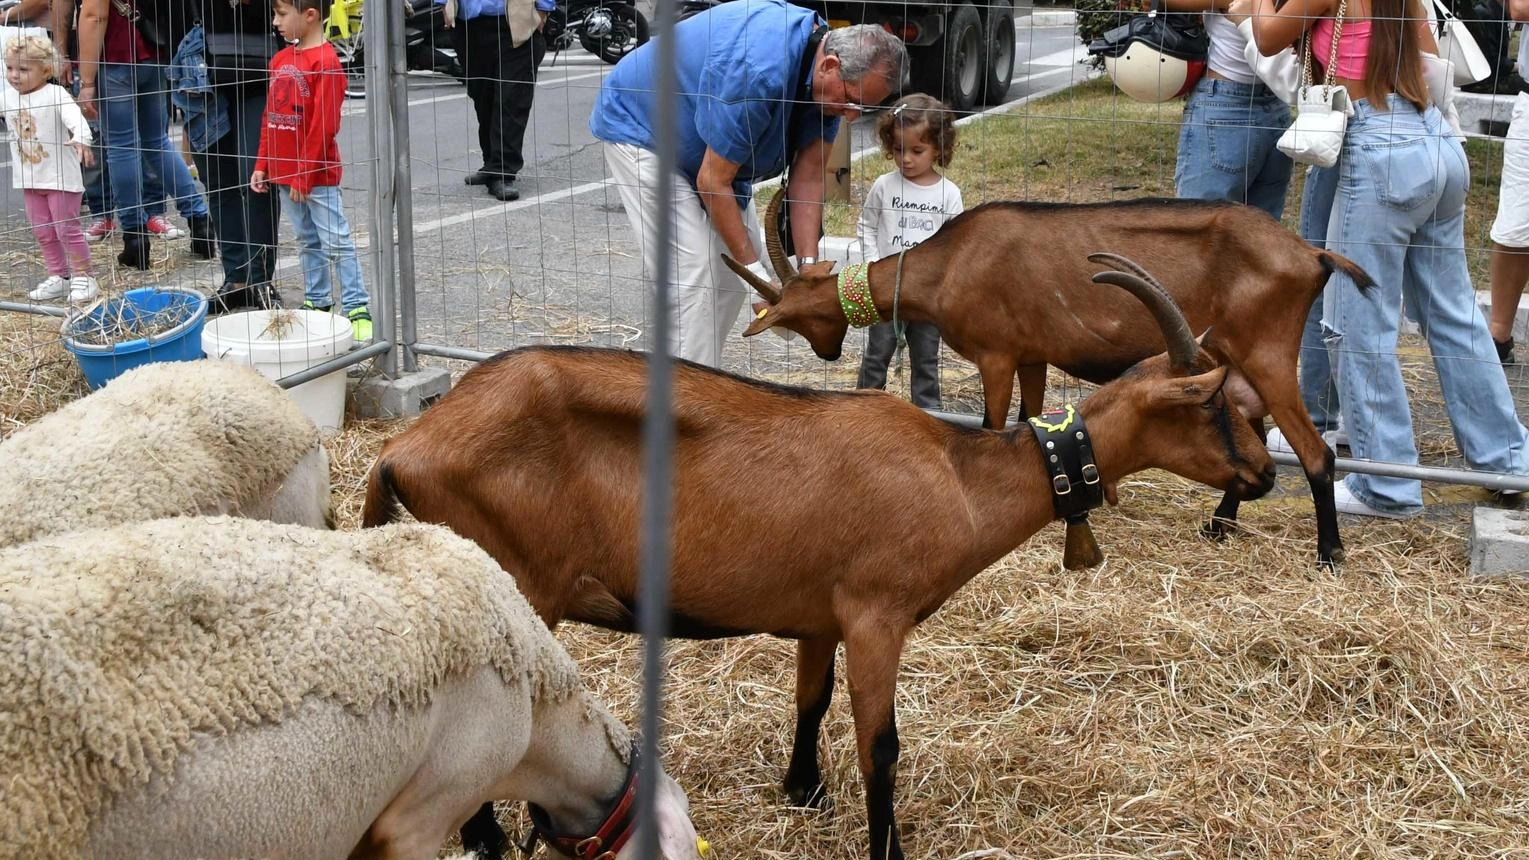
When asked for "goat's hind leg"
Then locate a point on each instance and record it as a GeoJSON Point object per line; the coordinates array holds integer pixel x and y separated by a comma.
{"type": "Point", "coordinates": [871, 656]}
{"type": "Point", "coordinates": [814, 691]}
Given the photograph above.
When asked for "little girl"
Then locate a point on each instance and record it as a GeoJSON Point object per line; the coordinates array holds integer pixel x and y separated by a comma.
{"type": "Point", "coordinates": [904, 207]}
{"type": "Point", "coordinates": [51, 141]}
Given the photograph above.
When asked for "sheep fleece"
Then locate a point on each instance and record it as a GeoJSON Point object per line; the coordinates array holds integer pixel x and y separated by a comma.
{"type": "Point", "coordinates": [165, 439]}
{"type": "Point", "coordinates": [117, 646]}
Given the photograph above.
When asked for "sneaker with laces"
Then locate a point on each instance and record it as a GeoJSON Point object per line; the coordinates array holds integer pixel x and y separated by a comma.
{"type": "Point", "coordinates": [159, 225]}
{"type": "Point", "coordinates": [1334, 438]}
{"type": "Point", "coordinates": [54, 287]}
{"type": "Point", "coordinates": [308, 305]}
{"type": "Point", "coordinates": [83, 288]}
{"type": "Point", "coordinates": [100, 229]}
{"type": "Point", "coordinates": [360, 323]}
{"type": "Point", "coordinates": [1347, 503]}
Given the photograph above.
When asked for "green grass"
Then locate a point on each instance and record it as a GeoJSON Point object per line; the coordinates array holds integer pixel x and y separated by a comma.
{"type": "Point", "coordinates": [1091, 143]}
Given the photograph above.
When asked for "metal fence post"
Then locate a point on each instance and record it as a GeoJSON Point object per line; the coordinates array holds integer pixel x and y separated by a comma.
{"type": "Point", "coordinates": [403, 196]}
{"type": "Point", "coordinates": [379, 17]}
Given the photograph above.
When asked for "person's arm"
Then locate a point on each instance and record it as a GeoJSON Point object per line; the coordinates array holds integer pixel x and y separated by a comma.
{"type": "Point", "coordinates": [1518, 10]}
{"type": "Point", "coordinates": [715, 184]}
{"type": "Point", "coordinates": [870, 223]}
{"type": "Point", "coordinates": [321, 124]}
{"type": "Point", "coordinates": [92, 37]}
{"type": "Point", "coordinates": [1276, 30]}
{"type": "Point", "coordinates": [1195, 5]}
{"type": "Point", "coordinates": [25, 12]}
{"type": "Point", "coordinates": [804, 194]}
{"type": "Point", "coordinates": [61, 25]}
{"type": "Point", "coordinates": [1423, 22]}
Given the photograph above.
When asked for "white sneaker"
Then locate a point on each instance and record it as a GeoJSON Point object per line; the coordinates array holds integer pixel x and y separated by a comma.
{"type": "Point", "coordinates": [1347, 503]}
{"type": "Point", "coordinates": [1336, 438]}
{"type": "Point", "coordinates": [1276, 442]}
{"type": "Point", "coordinates": [54, 287]}
{"type": "Point", "coordinates": [83, 288]}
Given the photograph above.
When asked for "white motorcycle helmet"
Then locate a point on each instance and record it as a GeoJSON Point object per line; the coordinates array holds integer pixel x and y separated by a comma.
{"type": "Point", "coordinates": [1155, 57]}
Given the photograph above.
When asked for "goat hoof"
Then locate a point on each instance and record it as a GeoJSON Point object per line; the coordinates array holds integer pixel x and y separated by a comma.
{"type": "Point", "coordinates": [1217, 529]}
{"type": "Point", "coordinates": [809, 797]}
{"type": "Point", "coordinates": [1329, 559]}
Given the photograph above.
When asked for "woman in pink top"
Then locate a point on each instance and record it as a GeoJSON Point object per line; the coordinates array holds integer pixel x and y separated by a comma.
{"type": "Point", "coordinates": [1398, 211]}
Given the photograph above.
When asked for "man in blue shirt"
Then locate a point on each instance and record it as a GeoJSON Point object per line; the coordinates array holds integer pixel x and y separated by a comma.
{"type": "Point", "coordinates": [761, 85]}
{"type": "Point", "coordinates": [501, 81]}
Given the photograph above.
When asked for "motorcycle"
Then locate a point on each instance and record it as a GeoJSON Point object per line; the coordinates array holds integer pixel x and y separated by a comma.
{"type": "Point", "coordinates": [427, 42]}
{"type": "Point", "coordinates": [609, 30]}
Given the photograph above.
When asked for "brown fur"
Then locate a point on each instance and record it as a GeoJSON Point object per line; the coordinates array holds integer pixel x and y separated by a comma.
{"type": "Point", "coordinates": [1008, 285]}
{"type": "Point", "coordinates": [822, 517]}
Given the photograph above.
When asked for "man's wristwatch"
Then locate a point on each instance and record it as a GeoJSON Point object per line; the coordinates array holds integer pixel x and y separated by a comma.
{"type": "Point", "coordinates": [805, 261]}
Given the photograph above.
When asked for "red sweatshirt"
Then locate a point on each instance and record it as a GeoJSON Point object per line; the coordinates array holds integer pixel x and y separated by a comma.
{"type": "Point", "coordinates": [302, 117]}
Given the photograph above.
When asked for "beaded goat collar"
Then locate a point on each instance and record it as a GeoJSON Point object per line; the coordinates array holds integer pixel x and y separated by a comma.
{"type": "Point", "coordinates": [855, 296]}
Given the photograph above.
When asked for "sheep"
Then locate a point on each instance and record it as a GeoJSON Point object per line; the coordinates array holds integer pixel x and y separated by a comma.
{"type": "Point", "coordinates": [1006, 284]}
{"type": "Point", "coordinates": [165, 439]}
{"type": "Point", "coordinates": [817, 516]}
{"type": "Point", "coordinates": [227, 688]}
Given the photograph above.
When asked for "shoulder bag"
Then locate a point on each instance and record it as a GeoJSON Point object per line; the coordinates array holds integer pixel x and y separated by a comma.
{"type": "Point", "coordinates": [1316, 136]}
{"type": "Point", "coordinates": [237, 57]}
{"type": "Point", "coordinates": [1457, 45]}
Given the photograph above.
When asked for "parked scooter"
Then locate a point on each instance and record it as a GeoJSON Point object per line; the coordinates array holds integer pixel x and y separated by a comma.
{"type": "Point", "coordinates": [609, 30]}
{"type": "Point", "coordinates": [427, 41]}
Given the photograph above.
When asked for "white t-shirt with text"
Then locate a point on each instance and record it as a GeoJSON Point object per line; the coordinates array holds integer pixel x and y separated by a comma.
{"type": "Point", "coordinates": [899, 214]}
{"type": "Point", "coordinates": [42, 124]}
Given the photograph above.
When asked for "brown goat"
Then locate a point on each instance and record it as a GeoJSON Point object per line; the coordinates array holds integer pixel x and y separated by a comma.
{"type": "Point", "coordinates": [816, 516]}
{"type": "Point", "coordinates": [1007, 284]}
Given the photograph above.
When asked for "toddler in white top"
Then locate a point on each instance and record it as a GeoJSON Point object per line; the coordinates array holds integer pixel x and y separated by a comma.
{"type": "Point", "coordinates": [51, 141]}
{"type": "Point", "coordinates": [904, 207]}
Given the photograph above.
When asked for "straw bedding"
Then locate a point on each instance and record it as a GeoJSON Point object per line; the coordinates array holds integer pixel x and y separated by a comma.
{"type": "Point", "coordinates": [165, 439]}
{"type": "Point", "coordinates": [1188, 699]}
{"type": "Point", "coordinates": [121, 644]}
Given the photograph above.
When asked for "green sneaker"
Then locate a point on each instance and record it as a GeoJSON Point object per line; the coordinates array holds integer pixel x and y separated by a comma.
{"type": "Point", "coordinates": [360, 323]}
{"type": "Point", "coordinates": [308, 305]}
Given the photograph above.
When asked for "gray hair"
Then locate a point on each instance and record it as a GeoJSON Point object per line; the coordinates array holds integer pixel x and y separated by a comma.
{"type": "Point", "coordinates": [866, 48]}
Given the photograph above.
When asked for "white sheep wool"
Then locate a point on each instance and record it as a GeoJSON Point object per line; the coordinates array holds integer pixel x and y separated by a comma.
{"type": "Point", "coordinates": [118, 646]}
{"type": "Point", "coordinates": [165, 439]}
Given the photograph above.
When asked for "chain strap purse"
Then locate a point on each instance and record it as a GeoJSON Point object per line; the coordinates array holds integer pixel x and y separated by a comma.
{"type": "Point", "coordinates": [1316, 135]}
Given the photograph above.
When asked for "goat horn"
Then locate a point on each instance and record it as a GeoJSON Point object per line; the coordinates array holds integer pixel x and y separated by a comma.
{"type": "Point", "coordinates": [773, 248]}
{"type": "Point", "coordinates": [1182, 348]}
{"type": "Point", "coordinates": [1118, 262]}
{"type": "Point", "coordinates": [763, 288]}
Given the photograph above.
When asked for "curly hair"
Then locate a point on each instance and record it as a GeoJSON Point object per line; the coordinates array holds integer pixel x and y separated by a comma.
{"type": "Point", "coordinates": [936, 122]}
{"type": "Point", "coordinates": [36, 48]}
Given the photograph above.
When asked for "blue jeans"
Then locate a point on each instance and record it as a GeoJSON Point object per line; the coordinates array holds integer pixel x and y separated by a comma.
{"type": "Point", "coordinates": [1318, 391]}
{"type": "Point", "coordinates": [1226, 146]}
{"type": "Point", "coordinates": [323, 238]}
{"type": "Point", "coordinates": [135, 123]}
{"type": "Point", "coordinates": [1399, 212]}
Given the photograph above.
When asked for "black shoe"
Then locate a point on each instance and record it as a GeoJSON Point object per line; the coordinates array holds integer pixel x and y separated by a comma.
{"type": "Point", "coordinates": [1504, 350]}
{"type": "Point", "coordinates": [202, 243]}
{"type": "Point", "coordinates": [503, 188]}
{"type": "Point", "coordinates": [478, 177]}
{"type": "Point", "coordinates": [135, 250]}
{"type": "Point", "coordinates": [240, 298]}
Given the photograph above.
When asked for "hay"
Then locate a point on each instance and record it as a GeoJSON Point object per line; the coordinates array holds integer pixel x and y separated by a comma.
{"type": "Point", "coordinates": [1188, 699]}
{"type": "Point", "coordinates": [113, 320]}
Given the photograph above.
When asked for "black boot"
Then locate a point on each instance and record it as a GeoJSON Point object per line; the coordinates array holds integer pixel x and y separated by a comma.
{"type": "Point", "coordinates": [135, 250]}
{"type": "Point", "coordinates": [202, 243]}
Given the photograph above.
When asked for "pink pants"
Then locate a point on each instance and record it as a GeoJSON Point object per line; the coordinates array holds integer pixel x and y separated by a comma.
{"type": "Point", "coordinates": [55, 217]}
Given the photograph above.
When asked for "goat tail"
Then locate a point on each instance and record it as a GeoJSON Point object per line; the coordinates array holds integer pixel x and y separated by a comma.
{"type": "Point", "coordinates": [1332, 262]}
{"type": "Point", "coordinates": [382, 503]}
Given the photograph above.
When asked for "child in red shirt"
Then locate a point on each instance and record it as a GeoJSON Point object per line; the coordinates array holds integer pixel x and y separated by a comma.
{"type": "Point", "coordinates": [298, 151]}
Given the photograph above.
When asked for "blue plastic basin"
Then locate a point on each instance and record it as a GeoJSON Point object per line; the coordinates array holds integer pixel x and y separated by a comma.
{"type": "Point", "coordinates": [144, 309]}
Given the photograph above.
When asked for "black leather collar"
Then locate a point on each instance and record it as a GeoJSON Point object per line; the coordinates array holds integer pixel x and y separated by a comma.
{"type": "Point", "coordinates": [1068, 453]}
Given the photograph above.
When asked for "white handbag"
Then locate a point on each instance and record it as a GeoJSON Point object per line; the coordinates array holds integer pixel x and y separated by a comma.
{"type": "Point", "coordinates": [1457, 45]}
{"type": "Point", "coordinates": [1321, 112]}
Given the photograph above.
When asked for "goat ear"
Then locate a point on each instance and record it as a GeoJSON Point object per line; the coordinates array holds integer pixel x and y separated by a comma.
{"type": "Point", "coordinates": [764, 288]}
{"type": "Point", "coordinates": [1191, 390]}
{"type": "Point", "coordinates": [763, 321]}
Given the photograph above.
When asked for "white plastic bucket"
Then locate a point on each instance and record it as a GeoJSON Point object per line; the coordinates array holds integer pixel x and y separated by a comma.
{"type": "Point", "coordinates": [314, 337]}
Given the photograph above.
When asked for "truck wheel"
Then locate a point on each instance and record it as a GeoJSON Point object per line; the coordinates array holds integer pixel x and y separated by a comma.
{"type": "Point", "coordinates": [1000, 52]}
{"type": "Point", "coordinates": [965, 64]}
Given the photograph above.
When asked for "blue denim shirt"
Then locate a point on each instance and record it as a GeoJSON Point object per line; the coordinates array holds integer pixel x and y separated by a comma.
{"type": "Point", "coordinates": [191, 91]}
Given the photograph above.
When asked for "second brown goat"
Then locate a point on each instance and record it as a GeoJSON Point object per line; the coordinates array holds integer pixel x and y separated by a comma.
{"type": "Point", "coordinates": [1009, 287]}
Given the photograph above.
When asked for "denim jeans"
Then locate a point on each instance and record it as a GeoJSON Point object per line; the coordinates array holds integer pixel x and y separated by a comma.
{"type": "Point", "coordinates": [1399, 212]}
{"type": "Point", "coordinates": [923, 360]}
{"type": "Point", "coordinates": [135, 123]}
{"type": "Point", "coordinates": [97, 178]}
{"type": "Point", "coordinates": [1318, 391]}
{"type": "Point", "coordinates": [244, 221]}
{"type": "Point", "coordinates": [1226, 146]}
{"type": "Point", "coordinates": [323, 239]}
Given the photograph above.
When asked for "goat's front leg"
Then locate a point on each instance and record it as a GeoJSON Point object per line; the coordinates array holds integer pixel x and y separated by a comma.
{"type": "Point", "coordinates": [1224, 519]}
{"type": "Point", "coordinates": [997, 390]}
{"type": "Point", "coordinates": [814, 690]}
{"type": "Point", "coordinates": [1032, 390]}
{"type": "Point", "coordinates": [871, 655]}
{"type": "Point", "coordinates": [482, 836]}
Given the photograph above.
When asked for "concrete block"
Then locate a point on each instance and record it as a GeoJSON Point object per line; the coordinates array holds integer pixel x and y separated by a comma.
{"type": "Point", "coordinates": [1520, 317]}
{"type": "Point", "coordinates": [1499, 542]}
{"type": "Point", "coordinates": [406, 396]}
{"type": "Point", "coordinates": [1484, 115]}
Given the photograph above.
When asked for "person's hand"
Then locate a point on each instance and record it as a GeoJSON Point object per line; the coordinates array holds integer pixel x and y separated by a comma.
{"type": "Point", "coordinates": [88, 101]}
{"type": "Point", "coordinates": [258, 183]}
{"type": "Point", "coordinates": [298, 196]}
{"type": "Point", "coordinates": [1239, 11]}
{"type": "Point", "coordinates": [87, 158]}
{"type": "Point", "coordinates": [542, 24]}
{"type": "Point", "coordinates": [65, 73]}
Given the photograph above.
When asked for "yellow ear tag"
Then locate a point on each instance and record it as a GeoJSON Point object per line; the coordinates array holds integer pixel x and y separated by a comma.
{"type": "Point", "coordinates": [703, 847]}
{"type": "Point", "coordinates": [762, 312]}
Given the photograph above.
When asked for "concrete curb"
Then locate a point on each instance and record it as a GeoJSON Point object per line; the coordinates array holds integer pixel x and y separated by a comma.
{"type": "Point", "coordinates": [1053, 18]}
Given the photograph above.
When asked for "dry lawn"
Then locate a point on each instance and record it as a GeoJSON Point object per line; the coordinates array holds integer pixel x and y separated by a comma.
{"type": "Point", "coordinates": [1186, 700]}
